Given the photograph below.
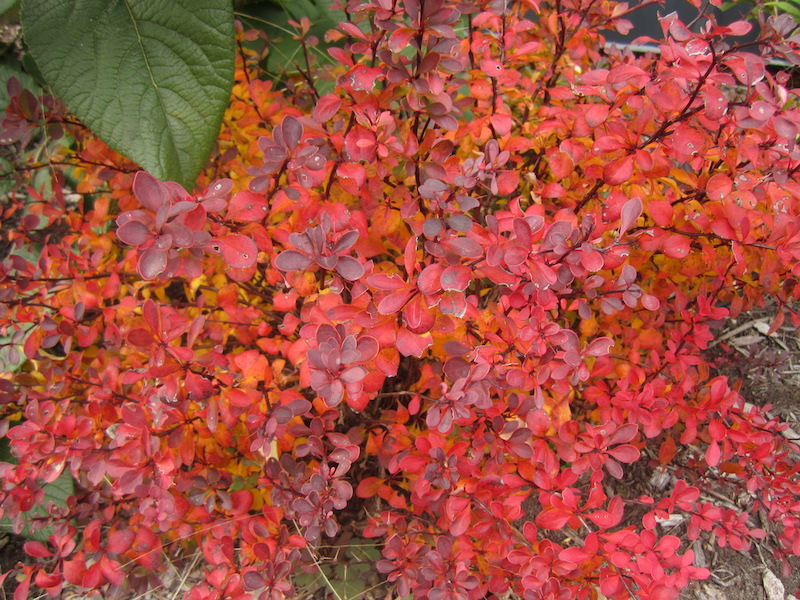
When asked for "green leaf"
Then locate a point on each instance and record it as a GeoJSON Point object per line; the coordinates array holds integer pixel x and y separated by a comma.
{"type": "Point", "coordinates": [56, 492]}
{"type": "Point", "coordinates": [273, 18]}
{"type": "Point", "coordinates": [7, 5]}
{"type": "Point", "coordinates": [151, 78]}
{"type": "Point", "coordinates": [791, 8]}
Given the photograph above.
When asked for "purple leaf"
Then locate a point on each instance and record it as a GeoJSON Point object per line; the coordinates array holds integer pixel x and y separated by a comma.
{"type": "Point", "coordinates": [182, 236]}
{"type": "Point", "coordinates": [149, 191]}
{"type": "Point", "coordinates": [368, 348]}
{"type": "Point", "coordinates": [219, 188]}
{"type": "Point", "coordinates": [292, 260]}
{"type": "Point", "coordinates": [464, 247]}
{"type": "Point", "coordinates": [345, 242]}
{"type": "Point", "coordinates": [629, 214]}
{"type": "Point", "coordinates": [133, 233]}
{"type": "Point", "coordinates": [292, 131]}
{"type": "Point", "coordinates": [353, 374]}
{"type": "Point", "coordinates": [200, 239]}
{"type": "Point", "coordinates": [152, 263]}
{"type": "Point", "coordinates": [349, 268]}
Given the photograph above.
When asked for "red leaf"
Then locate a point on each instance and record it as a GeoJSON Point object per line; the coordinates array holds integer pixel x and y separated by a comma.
{"type": "Point", "coordinates": [354, 172]}
{"type": "Point", "coordinates": [747, 67]}
{"type": "Point", "coordinates": [326, 107]}
{"type": "Point", "coordinates": [687, 142]}
{"type": "Point", "coordinates": [627, 75]}
{"type": "Point", "coordinates": [596, 115]}
{"type": "Point", "coordinates": [552, 518]}
{"type": "Point", "coordinates": [715, 102]}
{"type": "Point", "coordinates": [112, 570]}
{"type": "Point", "coordinates": [341, 56]}
{"type": "Point", "coordinates": [410, 255]}
{"type": "Point", "coordinates": [238, 251]}
{"type": "Point", "coordinates": [623, 434]}
{"type": "Point", "coordinates": [575, 555]}
{"type": "Point", "coordinates": [23, 586]}
{"type": "Point", "coordinates": [368, 487]}
{"type": "Point", "coordinates": [74, 571]}
{"type": "Point", "coordinates": [777, 322]}
{"type": "Point", "coordinates": [411, 344]}
{"type": "Point", "coordinates": [599, 347]}
{"type": "Point", "coordinates": [502, 123]}
{"type": "Point", "coordinates": [364, 78]}
{"type": "Point", "coordinates": [561, 164]}
{"type": "Point", "coordinates": [625, 453]}
{"type": "Point", "coordinates": [460, 524]}
{"type": "Point", "coordinates": [248, 206]}
{"type": "Point", "coordinates": [141, 338]}
{"type": "Point", "coordinates": [507, 181]}
{"type": "Point", "coordinates": [400, 39]}
{"type": "Point", "coordinates": [292, 131]}
{"type": "Point", "coordinates": [387, 361]}
{"type": "Point", "coordinates": [393, 303]}
{"type": "Point", "coordinates": [120, 541]}
{"type": "Point", "coordinates": [428, 280]}
{"type": "Point", "coordinates": [713, 454]}
{"type": "Point", "coordinates": [677, 246]}
{"type": "Point", "coordinates": [661, 211]}
{"type": "Point", "coordinates": [367, 347]}
{"type": "Point", "coordinates": [37, 550]}
{"type": "Point", "coordinates": [237, 397]}
{"type": "Point", "coordinates": [359, 402]}
{"type": "Point", "coordinates": [618, 171]}
{"type": "Point", "coordinates": [723, 229]}
{"type": "Point", "coordinates": [667, 451]}
{"type": "Point", "coordinates": [48, 581]}
{"type": "Point", "coordinates": [382, 281]}
{"type": "Point", "coordinates": [492, 68]}
{"type": "Point", "coordinates": [719, 186]}
{"type": "Point", "coordinates": [242, 501]}
{"type": "Point", "coordinates": [456, 278]}
{"type": "Point", "coordinates": [650, 302]}
{"type": "Point", "coordinates": [418, 317]}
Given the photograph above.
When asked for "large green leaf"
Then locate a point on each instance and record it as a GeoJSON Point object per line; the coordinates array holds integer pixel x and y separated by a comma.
{"type": "Point", "coordinates": [7, 5]}
{"type": "Point", "coordinates": [152, 78]}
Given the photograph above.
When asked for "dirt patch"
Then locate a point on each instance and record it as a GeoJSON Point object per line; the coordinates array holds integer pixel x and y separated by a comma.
{"type": "Point", "coordinates": [766, 364]}
{"type": "Point", "coordinates": [740, 575]}
{"type": "Point", "coordinates": [11, 553]}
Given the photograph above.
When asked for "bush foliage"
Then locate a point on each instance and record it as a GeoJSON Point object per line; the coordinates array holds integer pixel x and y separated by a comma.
{"type": "Point", "coordinates": [444, 293]}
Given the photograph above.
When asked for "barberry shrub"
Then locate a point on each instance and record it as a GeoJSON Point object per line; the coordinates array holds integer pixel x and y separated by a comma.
{"type": "Point", "coordinates": [443, 294]}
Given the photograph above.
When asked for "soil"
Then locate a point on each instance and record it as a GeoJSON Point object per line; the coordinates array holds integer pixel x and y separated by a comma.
{"type": "Point", "coordinates": [10, 554]}
{"type": "Point", "coordinates": [768, 367]}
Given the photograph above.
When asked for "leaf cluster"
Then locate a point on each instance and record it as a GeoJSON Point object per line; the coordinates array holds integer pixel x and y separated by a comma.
{"type": "Point", "coordinates": [450, 293]}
